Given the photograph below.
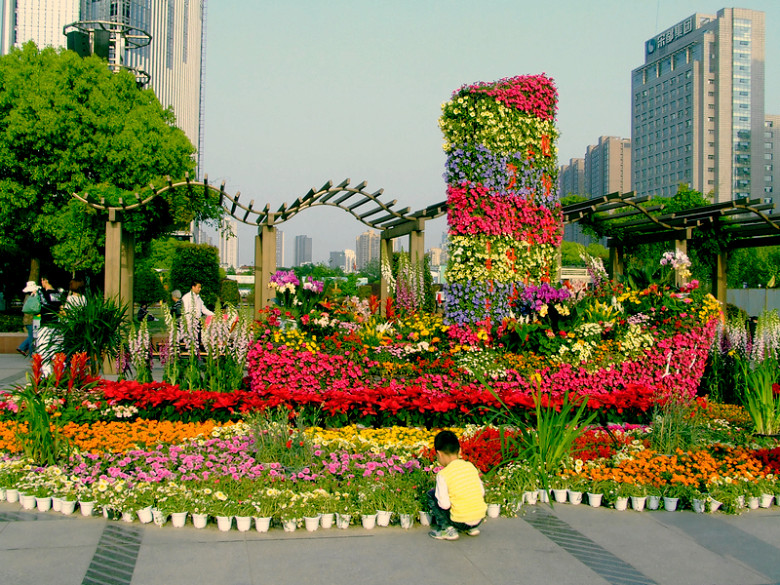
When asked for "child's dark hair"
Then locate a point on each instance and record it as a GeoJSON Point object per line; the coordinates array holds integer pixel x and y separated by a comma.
{"type": "Point", "coordinates": [447, 442]}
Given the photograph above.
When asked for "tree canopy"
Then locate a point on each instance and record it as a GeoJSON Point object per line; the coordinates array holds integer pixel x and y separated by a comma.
{"type": "Point", "coordinates": [68, 125]}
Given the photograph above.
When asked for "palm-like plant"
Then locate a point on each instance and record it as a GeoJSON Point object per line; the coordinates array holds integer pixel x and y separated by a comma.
{"type": "Point", "coordinates": [95, 327]}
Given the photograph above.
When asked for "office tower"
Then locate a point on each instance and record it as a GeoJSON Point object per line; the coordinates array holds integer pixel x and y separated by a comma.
{"type": "Point", "coordinates": [608, 166]}
{"type": "Point", "coordinates": [228, 245]}
{"type": "Point", "coordinates": [436, 256]}
{"type": "Point", "coordinates": [338, 260]}
{"type": "Point", "coordinates": [302, 250]}
{"type": "Point", "coordinates": [698, 107]}
{"type": "Point", "coordinates": [571, 177]}
{"type": "Point", "coordinates": [279, 248]}
{"type": "Point", "coordinates": [366, 248]}
{"type": "Point", "coordinates": [771, 152]}
{"type": "Point", "coordinates": [40, 21]}
{"type": "Point", "coordinates": [174, 59]}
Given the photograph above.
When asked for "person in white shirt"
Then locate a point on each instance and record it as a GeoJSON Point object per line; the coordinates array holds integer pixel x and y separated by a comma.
{"type": "Point", "coordinates": [192, 307]}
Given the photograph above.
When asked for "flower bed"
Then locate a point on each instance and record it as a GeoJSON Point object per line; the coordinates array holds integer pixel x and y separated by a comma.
{"type": "Point", "coordinates": [222, 475]}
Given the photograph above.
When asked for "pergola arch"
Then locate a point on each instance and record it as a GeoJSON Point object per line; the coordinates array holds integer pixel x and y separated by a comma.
{"type": "Point", "coordinates": [366, 207]}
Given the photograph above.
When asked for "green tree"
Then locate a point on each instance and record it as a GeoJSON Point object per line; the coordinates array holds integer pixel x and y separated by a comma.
{"type": "Point", "coordinates": [68, 125]}
{"type": "Point", "coordinates": [197, 262]}
{"type": "Point", "coordinates": [147, 287]}
{"type": "Point", "coordinates": [753, 266]}
{"type": "Point", "coordinates": [371, 271]}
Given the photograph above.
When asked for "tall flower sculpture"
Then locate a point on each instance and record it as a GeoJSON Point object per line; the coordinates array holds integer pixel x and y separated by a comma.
{"type": "Point", "coordinates": [504, 214]}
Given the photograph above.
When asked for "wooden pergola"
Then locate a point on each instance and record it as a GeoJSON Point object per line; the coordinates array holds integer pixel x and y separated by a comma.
{"type": "Point", "coordinates": [368, 208]}
{"type": "Point", "coordinates": [741, 223]}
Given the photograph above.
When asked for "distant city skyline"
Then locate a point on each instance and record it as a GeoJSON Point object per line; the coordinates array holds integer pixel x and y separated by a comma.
{"type": "Point", "coordinates": [291, 107]}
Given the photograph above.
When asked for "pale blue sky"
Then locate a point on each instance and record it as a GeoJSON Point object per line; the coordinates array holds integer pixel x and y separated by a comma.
{"type": "Point", "coordinates": [300, 92]}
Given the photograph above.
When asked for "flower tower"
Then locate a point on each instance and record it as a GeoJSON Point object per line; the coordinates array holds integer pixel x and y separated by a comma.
{"type": "Point", "coordinates": [504, 214]}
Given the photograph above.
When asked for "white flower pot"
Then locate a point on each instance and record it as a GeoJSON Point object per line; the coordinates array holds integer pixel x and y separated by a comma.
{"type": "Point", "coordinates": [159, 517]}
{"type": "Point", "coordinates": [638, 502]}
{"type": "Point", "coordinates": [200, 520]}
{"type": "Point", "coordinates": [12, 495]}
{"type": "Point", "coordinates": [544, 497]}
{"type": "Point", "coordinates": [86, 508]}
{"type": "Point", "coordinates": [575, 497]}
{"type": "Point", "coordinates": [289, 525]}
{"type": "Point", "coordinates": [560, 496]}
{"type": "Point", "coordinates": [753, 502]}
{"type": "Point", "coordinates": [425, 518]}
{"type": "Point", "coordinates": [368, 521]}
{"type": "Point", "coordinates": [56, 503]}
{"type": "Point", "coordinates": [621, 503]}
{"type": "Point", "coordinates": [698, 505]}
{"type": "Point", "coordinates": [714, 505]}
{"type": "Point", "coordinates": [243, 523]}
{"type": "Point", "coordinates": [343, 520]}
{"type": "Point", "coordinates": [2, 494]}
{"type": "Point", "coordinates": [383, 517]}
{"type": "Point", "coordinates": [262, 524]}
{"type": "Point", "coordinates": [145, 515]}
{"type": "Point", "coordinates": [67, 507]}
{"type": "Point", "coordinates": [670, 504]}
{"type": "Point", "coordinates": [406, 521]}
{"type": "Point", "coordinates": [531, 498]}
{"type": "Point", "coordinates": [493, 510]}
{"type": "Point", "coordinates": [28, 502]}
{"type": "Point", "coordinates": [312, 523]}
{"type": "Point", "coordinates": [179, 519]}
{"type": "Point", "coordinates": [326, 520]}
{"type": "Point", "coordinates": [594, 500]}
{"type": "Point", "coordinates": [653, 502]}
{"type": "Point", "coordinates": [224, 523]}
{"type": "Point", "coordinates": [766, 500]}
{"type": "Point", "coordinates": [128, 517]}
{"type": "Point", "coordinates": [43, 504]}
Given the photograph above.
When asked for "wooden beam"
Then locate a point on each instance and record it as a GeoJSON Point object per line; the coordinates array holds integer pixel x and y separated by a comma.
{"type": "Point", "coordinates": [400, 213]}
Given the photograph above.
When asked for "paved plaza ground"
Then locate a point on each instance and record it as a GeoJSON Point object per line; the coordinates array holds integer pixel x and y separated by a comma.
{"type": "Point", "coordinates": [567, 545]}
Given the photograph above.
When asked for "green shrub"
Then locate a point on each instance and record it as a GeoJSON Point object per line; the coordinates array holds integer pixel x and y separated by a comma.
{"type": "Point", "coordinates": [11, 323]}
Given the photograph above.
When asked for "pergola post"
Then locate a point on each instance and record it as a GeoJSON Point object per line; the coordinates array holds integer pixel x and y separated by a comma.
{"type": "Point", "coordinates": [385, 259]}
{"type": "Point", "coordinates": [680, 246]}
{"type": "Point", "coordinates": [719, 280]}
{"type": "Point", "coordinates": [120, 260]}
{"type": "Point", "coordinates": [417, 243]}
{"type": "Point", "coordinates": [265, 265]}
{"type": "Point", "coordinates": [616, 259]}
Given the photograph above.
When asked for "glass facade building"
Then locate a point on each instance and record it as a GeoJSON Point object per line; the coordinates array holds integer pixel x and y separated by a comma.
{"type": "Point", "coordinates": [698, 107]}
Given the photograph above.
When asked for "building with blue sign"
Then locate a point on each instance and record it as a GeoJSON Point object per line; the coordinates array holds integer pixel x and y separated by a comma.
{"type": "Point", "coordinates": [698, 108]}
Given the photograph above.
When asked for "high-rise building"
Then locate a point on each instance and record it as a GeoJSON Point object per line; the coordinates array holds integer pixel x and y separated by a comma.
{"type": "Point", "coordinates": [40, 21]}
{"type": "Point", "coordinates": [367, 248]}
{"type": "Point", "coordinates": [571, 177]}
{"type": "Point", "coordinates": [605, 169]}
{"type": "Point", "coordinates": [436, 256]}
{"type": "Point", "coordinates": [698, 107]}
{"type": "Point", "coordinates": [279, 248]}
{"type": "Point", "coordinates": [228, 245]}
{"type": "Point", "coordinates": [338, 259]}
{"type": "Point", "coordinates": [174, 59]}
{"type": "Point", "coordinates": [608, 166]}
{"type": "Point", "coordinates": [302, 250]}
{"type": "Point", "coordinates": [350, 261]}
{"type": "Point", "coordinates": [771, 152]}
